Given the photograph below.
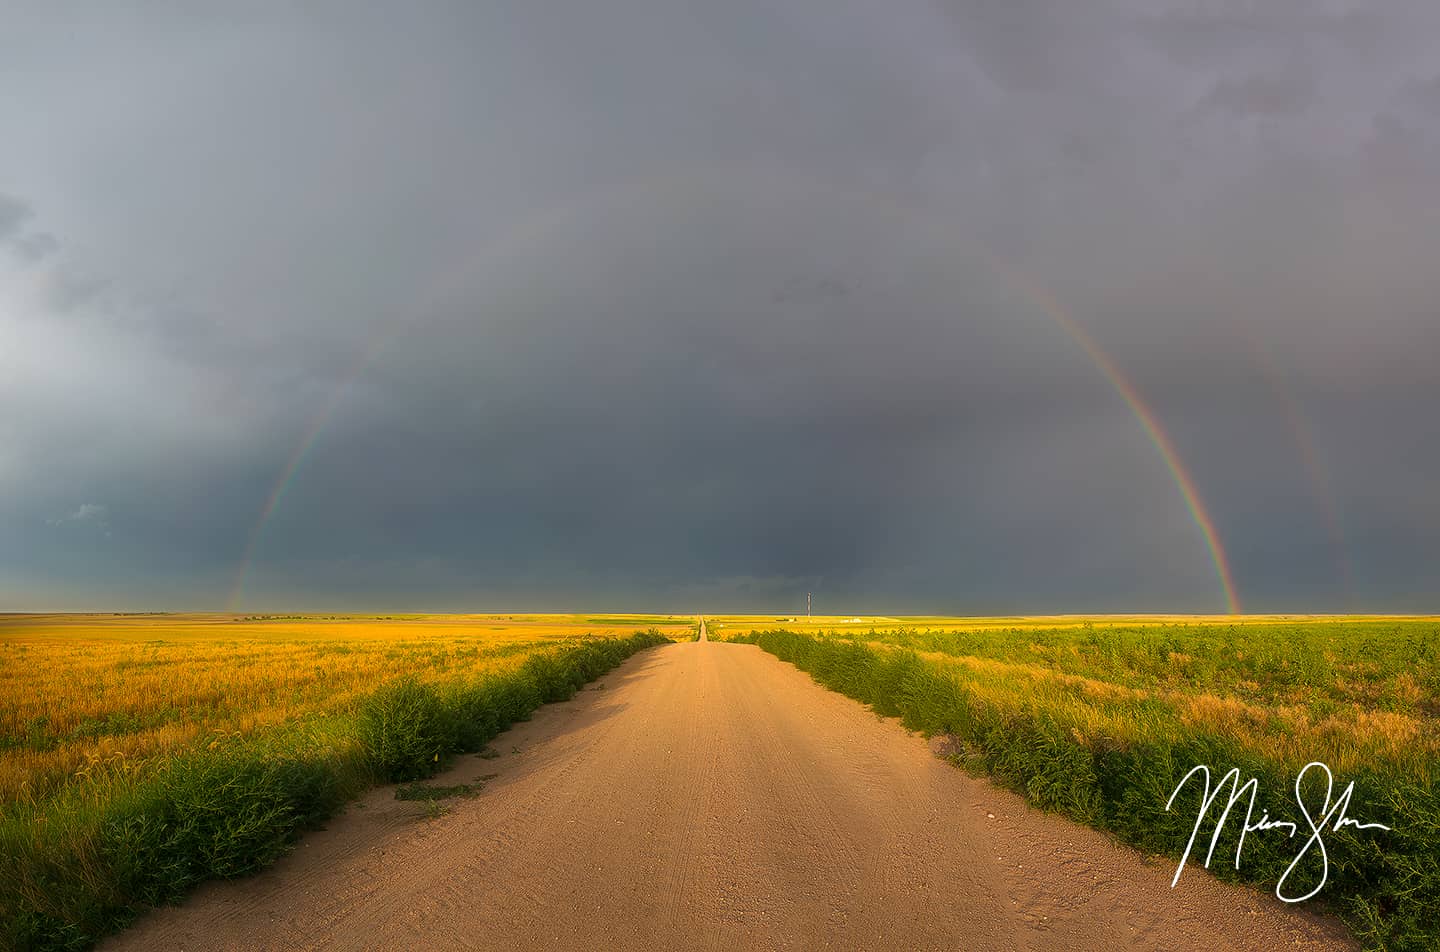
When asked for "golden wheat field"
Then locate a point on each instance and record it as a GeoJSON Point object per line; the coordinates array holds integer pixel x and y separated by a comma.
{"type": "Point", "coordinates": [83, 690]}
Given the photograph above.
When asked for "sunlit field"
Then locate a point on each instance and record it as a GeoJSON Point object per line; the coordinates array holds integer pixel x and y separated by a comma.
{"type": "Point", "coordinates": [140, 754]}
{"type": "Point", "coordinates": [88, 690]}
{"type": "Point", "coordinates": [1099, 719]}
{"type": "Point", "coordinates": [1352, 692]}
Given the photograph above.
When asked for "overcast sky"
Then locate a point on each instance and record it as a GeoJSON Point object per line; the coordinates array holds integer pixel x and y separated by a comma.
{"type": "Point", "coordinates": [701, 306]}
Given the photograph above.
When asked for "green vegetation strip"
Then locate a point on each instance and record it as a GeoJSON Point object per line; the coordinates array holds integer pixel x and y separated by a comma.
{"type": "Point", "coordinates": [86, 863]}
{"type": "Point", "coordinates": [1384, 885]}
{"type": "Point", "coordinates": [638, 620]}
{"type": "Point", "coordinates": [431, 791]}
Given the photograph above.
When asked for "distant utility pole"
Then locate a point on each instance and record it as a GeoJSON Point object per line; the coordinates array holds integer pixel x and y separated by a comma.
{"type": "Point", "coordinates": [807, 606]}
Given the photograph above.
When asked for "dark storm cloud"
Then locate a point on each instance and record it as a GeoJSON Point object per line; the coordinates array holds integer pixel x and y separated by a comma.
{"type": "Point", "coordinates": [1198, 35]}
{"type": "Point", "coordinates": [13, 214]}
{"type": "Point", "coordinates": [646, 306]}
{"type": "Point", "coordinates": [37, 246]}
{"type": "Point", "coordinates": [29, 246]}
{"type": "Point", "coordinates": [1425, 94]}
{"type": "Point", "coordinates": [1262, 95]}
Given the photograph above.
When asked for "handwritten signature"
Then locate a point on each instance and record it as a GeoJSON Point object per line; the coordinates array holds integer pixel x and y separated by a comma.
{"type": "Point", "coordinates": [1331, 818]}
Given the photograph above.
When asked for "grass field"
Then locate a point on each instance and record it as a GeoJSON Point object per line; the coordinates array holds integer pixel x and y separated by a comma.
{"type": "Point", "coordinates": [87, 692]}
{"type": "Point", "coordinates": [1101, 720]}
{"type": "Point", "coordinates": [140, 754]}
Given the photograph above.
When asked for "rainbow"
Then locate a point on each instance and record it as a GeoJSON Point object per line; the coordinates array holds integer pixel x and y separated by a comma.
{"type": "Point", "coordinates": [535, 229]}
{"type": "Point", "coordinates": [1321, 488]}
{"type": "Point", "coordinates": [1048, 304]}
{"type": "Point", "coordinates": [523, 235]}
{"type": "Point", "coordinates": [287, 475]}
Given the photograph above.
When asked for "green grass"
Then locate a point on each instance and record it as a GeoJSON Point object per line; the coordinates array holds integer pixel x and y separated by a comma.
{"type": "Point", "coordinates": [668, 622]}
{"type": "Point", "coordinates": [635, 620]}
{"type": "Point", "coordinates": [85, 862]}
{"type": "Point", "coordinates": [433, 791]}
{"type": "Point", "coordinates": [1101, 723]}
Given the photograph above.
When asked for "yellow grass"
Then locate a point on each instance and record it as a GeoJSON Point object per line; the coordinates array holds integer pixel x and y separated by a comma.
{"type": "Point", "coordinates": [1350, 738]}
{"type": "Point", "coordinates": [819, 624]}
{"type": "Point", "coordinates": [77, 690]}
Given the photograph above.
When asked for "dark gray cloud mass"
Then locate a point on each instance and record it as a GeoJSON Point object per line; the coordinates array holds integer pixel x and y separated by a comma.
{"type": "Point", "coordinates": [703, 306]}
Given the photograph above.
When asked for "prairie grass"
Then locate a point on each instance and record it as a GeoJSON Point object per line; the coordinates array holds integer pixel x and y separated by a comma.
{"type": "Point", "coordinates": [139, 756]}
{"type": "Point", "coordinates": [431, 791]}
{"type": "Point", "coordinates": [83, 693]}
{"type": "Point", "coordinates": [1101, 721]}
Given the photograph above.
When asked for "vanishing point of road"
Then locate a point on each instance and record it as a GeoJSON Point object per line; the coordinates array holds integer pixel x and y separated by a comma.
{"type": "Point", "coordinates": [707, 796]}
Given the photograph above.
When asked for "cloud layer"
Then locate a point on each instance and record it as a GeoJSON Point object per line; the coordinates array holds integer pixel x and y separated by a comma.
{"type": "Point", "coordinates": [703, 309]}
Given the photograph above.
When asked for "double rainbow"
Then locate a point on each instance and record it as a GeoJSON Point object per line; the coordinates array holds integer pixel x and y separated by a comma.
{"type": "Point", "coordinates": [535, 230]}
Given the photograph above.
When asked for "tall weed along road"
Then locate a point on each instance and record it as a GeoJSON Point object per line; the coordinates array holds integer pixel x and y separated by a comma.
{"type": "Point", "coordinates": [705, 795]}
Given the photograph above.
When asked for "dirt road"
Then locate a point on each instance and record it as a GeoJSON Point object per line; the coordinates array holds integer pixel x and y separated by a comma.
{"type": "Point", "coordinates": [706, 795]}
